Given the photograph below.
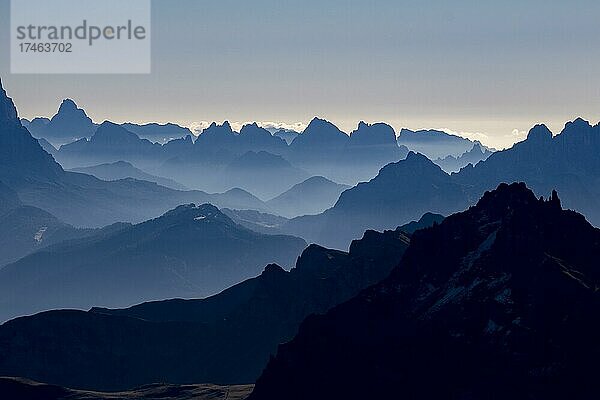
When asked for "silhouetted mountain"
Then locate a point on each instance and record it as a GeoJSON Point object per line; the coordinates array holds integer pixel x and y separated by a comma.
{"type": "Point", "coordinates": [473, 156]}
{"type": "Point", "coordinates": [188, 252]}
{"type": "Point", "coordinates": [318, 148]}
{"type": "Point", "coordinates": [225, 338]}
{"type": "Point", "coordinates": [122, 170]}
{"type": "Point", "coordinates": [400, 193]}
{"type": "Point", "coordinates": [69, 123]}
{"type": "Point", "coordinates": [370, 148]}
{"type": "Point", "coordinates": [254, 138]}
{"type": "Point", "coordinates": [158, 133]}
{"type": "Point", "coordinates": [427, 220]}
{"type": "Point", "coordinates": [435, 144]}
{"type": "Point", "coordinates": [83, 200]}
{"type": "Point", "coordinates": [20, 154]}
{"type": "Point", "coordinates": [262, 173]}
{"type": "Point", "coordinates": [25, 229]}
{"type": "Point", "coordinates": [286, 134]}
{"type": "Point", "coordinates": [17, 388]}
{"type": "Point", "coordinates": [568, 163]}
{"type": "Point", "coordinates": [312, 196]}
{"type": "Point", "coordinates": [35, 125]}
{"type": "Point", "coordinates": [110, 143]}
{"type": "Point", "coordinates": [499, 301]}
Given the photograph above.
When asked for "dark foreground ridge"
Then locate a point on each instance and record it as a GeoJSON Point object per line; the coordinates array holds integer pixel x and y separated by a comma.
{"type": "Point", "coordinates": [227, 338]}
{"type": "Point", "coordinates": [16, 388]}
{"type": "Point", "coordinates": [500, 301]}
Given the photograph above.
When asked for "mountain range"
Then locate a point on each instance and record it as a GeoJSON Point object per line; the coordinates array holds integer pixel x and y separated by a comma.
{"type": "Point", "coordinates": [499, 301]}
{"type": "Point", "coordinates": [191, 251]}
{"type": "Point", "coordinates": [400, 193]}
{"type": "Point", "coordinates": [83, 200]}
{"type": "Point", "coordinates": [123, 170]}
{"type": "Point", "coordinates": [226, 338]}
{"type": "Point", "coordinates": [435, 143]}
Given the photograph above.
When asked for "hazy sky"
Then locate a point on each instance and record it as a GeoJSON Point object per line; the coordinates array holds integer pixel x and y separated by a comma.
{"type": "Point", "coordinates": [489, 67]}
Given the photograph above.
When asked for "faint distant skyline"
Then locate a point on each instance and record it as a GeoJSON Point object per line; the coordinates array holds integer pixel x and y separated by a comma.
{"type": "Point", "coordinates": [485, 69]}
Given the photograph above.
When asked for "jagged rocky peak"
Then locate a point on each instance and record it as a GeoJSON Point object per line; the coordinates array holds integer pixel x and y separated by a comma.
{"type": "Point", "coordinates": [70, 111]}
{"type": "Point", "coordinates": [216, 129]}
{"type": "Point", "coordinates": [254, 130]}
{"type": "Point", "coordinates": [8, 111]}
{"type": "Point", "coordinates": [273, 270]}
{"type": "Point", "coordinates": [508, 287]}
{"type": "Point", "coordinates": [322, 128]}
{"type": "Point", "coordinates": [578, 128]}
{"type": "Point", "coordinates": [378, 133]}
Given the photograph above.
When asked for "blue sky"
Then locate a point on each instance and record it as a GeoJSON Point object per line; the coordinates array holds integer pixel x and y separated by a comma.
{"type": "Point", "coordinates": [477, 67]}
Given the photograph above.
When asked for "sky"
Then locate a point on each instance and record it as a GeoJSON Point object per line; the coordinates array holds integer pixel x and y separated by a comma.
{"type": "Point", "coordinates": [488, 70]}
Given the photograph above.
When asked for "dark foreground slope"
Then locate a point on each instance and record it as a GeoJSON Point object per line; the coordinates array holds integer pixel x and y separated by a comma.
{"type": "Point", "coordinates": [16, 388]}
{"type": "Point", "coordinates": [497, 302]}
{"type": "Point", "coordinates": [227, 338]}
{"type": "Point", "coordinates": [191, 251]}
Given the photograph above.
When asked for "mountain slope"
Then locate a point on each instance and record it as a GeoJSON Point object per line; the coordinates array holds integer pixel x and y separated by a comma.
{"type": "Point", "coordinates": [454, 164]}
{"type": "Point", "coordinates": [158, 133]}
{"type": "Point", "coordinates": [499, 301]}
{"type": "Point", "coordinates": [435, 144]}
{"type": "Point", "coordinates": [312, 196]}
{"type": "Point", "coordinates": [110, 143]}
{"type": "Point", "coordinates": [122, 170]}
{"type": "Point", "coordinates": [400, 193]}
{"type": "Point", "coordinates": [226, 338]}
{"type": "Point", "coordinates": [264, 174]}
{"type": "Point", "coordinates": [188, 252]}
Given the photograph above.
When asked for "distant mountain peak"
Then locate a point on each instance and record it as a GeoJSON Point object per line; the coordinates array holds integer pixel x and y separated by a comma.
{"type": "Point", "coordinates": [374, 134]}
{"type": "Point", "coordinates": [192, 213]}
{"type": "Point", "coordinates": [69, 110]}
{"type": "Point", "coordinates": [216, 129]}
{"type": "Point", "coordinates": [67, 105]}
{"type": "Point", "coordinates": [272, 270]}
{"type": "Point", "coordinates": [111, 132]}
{"type": "Point", "coordinates": [539, 134]}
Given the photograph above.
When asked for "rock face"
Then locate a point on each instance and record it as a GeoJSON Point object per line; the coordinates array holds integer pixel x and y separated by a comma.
{"type": "Point", "coordinates": [226, 338]}
{"type": "Point", "coordinates": [499, 301]}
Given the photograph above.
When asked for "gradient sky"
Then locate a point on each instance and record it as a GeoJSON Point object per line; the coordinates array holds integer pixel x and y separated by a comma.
{"type": "Point", "coordinates": [488, 69]}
